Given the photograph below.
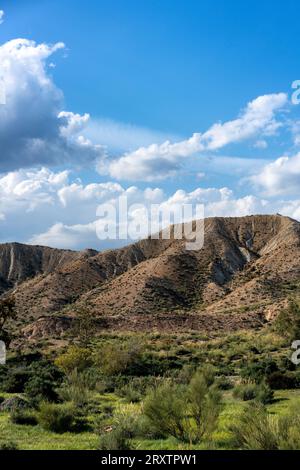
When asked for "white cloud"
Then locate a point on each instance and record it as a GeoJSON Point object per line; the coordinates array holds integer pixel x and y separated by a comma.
{"type": "Point", "coordinates": [159, 161]}
{"type": "Point", "coordinates": [217, 202]}
{"type": "Point", "coordinates": [1, 16]}
{"type": "Point", "coordinates": [34, 129]}
{"type": "Point", "coordinates": [47, 207]}
{"type": "Point", "coordinates": [280, 177]}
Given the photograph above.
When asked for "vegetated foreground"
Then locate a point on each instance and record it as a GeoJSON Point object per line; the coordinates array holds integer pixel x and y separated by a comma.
{"type": "Point", "coordinates": [155, 391]}
{"type": "Point", "coordinates": [195, 354]}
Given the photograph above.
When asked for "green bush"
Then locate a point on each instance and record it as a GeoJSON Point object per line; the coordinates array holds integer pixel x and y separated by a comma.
{"type": "Point", "coordinates": [9, 445]}
{"type": "Point", "coordinates": [259, 371]}
{"type": "Point", "coordinates": [114, 440]}
{"type": "Point", "coordinates": [57, 418]}
{"type": "Point", "coordinates": [289, 428]}
{"type": "Point", "coordinates": [255, 429]}
{"type": "Point", "coordinates": [245, 392]}
{"type": "Point", "coordinates": [282, 381]}
{"type": "Point", "coordinates": [15, 380]}
{"type": "Point", "coordinates": [287, 323]}
{"type": "Point", "coordinates": [74, 358]}
{"type": "Point", "coordinates": [26, 417]}
{"type": "Point", "coordinates": [75, 389]}
{"type": "Point", "coordinates": [188, 413]}
{"type": "Point", "coordinates": [252, 391]}
{"type": "Point", "coordinates": [264, 394]}
{"type": "Point", "coordinates": [116, 358]}
{"type": "Point", "coordinates": [166, 408]}
{"type": "Point", "coordinates": [129, 393]}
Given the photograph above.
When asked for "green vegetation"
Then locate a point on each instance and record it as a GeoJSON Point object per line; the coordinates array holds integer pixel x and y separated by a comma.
{"type": "Point", "coordinates": [154, 391]}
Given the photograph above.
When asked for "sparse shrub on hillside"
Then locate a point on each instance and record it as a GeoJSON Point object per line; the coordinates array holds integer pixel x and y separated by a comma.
{"type": "Point", "coordinates": [287, 324]}
{"type": "Point", "coordinates": [265, 394]}
{"type": "Point", "coordinates": [74, 358]}
{"type": "Point", "coordinates": [116, 358]}
{"type": "Point", "coordinates": [166, 408]}
{"type": "Point", "coordinates": [7, 312]}
{"type": "Point", "coordinates": [259, 370]}
{"type": "Point", "coordinates": [84, 326]}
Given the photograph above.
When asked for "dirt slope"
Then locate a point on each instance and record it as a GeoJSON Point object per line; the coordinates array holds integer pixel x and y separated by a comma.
{"type": "Point", "coordinates": [241, 277]}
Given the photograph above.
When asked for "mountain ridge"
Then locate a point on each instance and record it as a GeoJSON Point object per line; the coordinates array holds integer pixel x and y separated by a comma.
{"type": "Point", "coordinates": [238, 278]}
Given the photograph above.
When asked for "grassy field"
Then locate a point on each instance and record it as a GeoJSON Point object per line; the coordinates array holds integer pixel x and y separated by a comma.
{"type": "Point", "coordinates": [118, 371]}
{"type": "Point", "coordinates": [36, 438]}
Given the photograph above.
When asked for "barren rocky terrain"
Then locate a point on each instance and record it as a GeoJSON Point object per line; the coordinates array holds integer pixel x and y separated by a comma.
{"type": "Point", "coordinates": [241, 278]}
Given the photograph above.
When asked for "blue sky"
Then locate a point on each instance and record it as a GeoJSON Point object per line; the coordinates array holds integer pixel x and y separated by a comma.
{"type": "Point", "coordinates": [169, 65]}
{"type": "Point", "coordinates": [146, 73]}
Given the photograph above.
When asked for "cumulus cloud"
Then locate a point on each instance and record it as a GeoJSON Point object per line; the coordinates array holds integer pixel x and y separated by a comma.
{"type": "Point", "coordinates": [1, 16]}
{"type": "Point", "coordinates": [217, 202]}
{"type": "Point", "coordinates": [49, 208]}
{"type": "Point", "coordinates": [34, 129]}
{"type": "Point", "coordinates": [159, 161]}
{"type": "Point", "coordinates": [280, 177]}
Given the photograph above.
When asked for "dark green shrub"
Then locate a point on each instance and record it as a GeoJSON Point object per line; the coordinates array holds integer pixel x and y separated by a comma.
{"type": "Point", "coordinates": [116, 358]}
{"type": "Point", "coordinates": [258, 371]}
{"type": "Point", "coordinates": [26, 417]}
{"type": "Point", "coordinates": [188, 413]}
{"type": "Point", "coordinates": [15, 380]}
{"type": "Point", "coordinates": [264, 394]}
{"type": "Point", "coordinates": [245, 392]}
{"type": "Point", "coordinates": [255, 429]}
{"type": "Point", "coordinates": [287, 322]}
{"type": "Point", "coordinates": [282, 381]}
{"type": "Point", "coordinates": [129, 393]}
{"type": "Point", "coordinates": [41, 388]}
{"type": "Point", "coordinates": [57, 418]}
{"type": "Point", "coordinates": [114, 440]}
{"type": "Point", "coordinates": [9, 445]}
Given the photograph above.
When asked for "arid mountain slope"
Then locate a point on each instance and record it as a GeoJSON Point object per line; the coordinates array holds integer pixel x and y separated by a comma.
{"type": "Point", "coordinates": [244, 265]}
{"type": "Point", "coordinates": [21, 262]}
{"type": "Point", "coordinates": [240, 278]}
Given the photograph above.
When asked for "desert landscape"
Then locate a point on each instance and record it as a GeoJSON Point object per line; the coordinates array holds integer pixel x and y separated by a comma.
{"type": "Point", "coordinates": [152, 346]}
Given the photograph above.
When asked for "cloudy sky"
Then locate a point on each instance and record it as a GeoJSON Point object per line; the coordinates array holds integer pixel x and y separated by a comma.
{"type": "Point", "coordinates": [163, 102]}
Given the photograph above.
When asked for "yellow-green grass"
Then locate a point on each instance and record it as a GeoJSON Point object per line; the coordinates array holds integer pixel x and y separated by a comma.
{"type": "Point", "coordinates": [36, 438]}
